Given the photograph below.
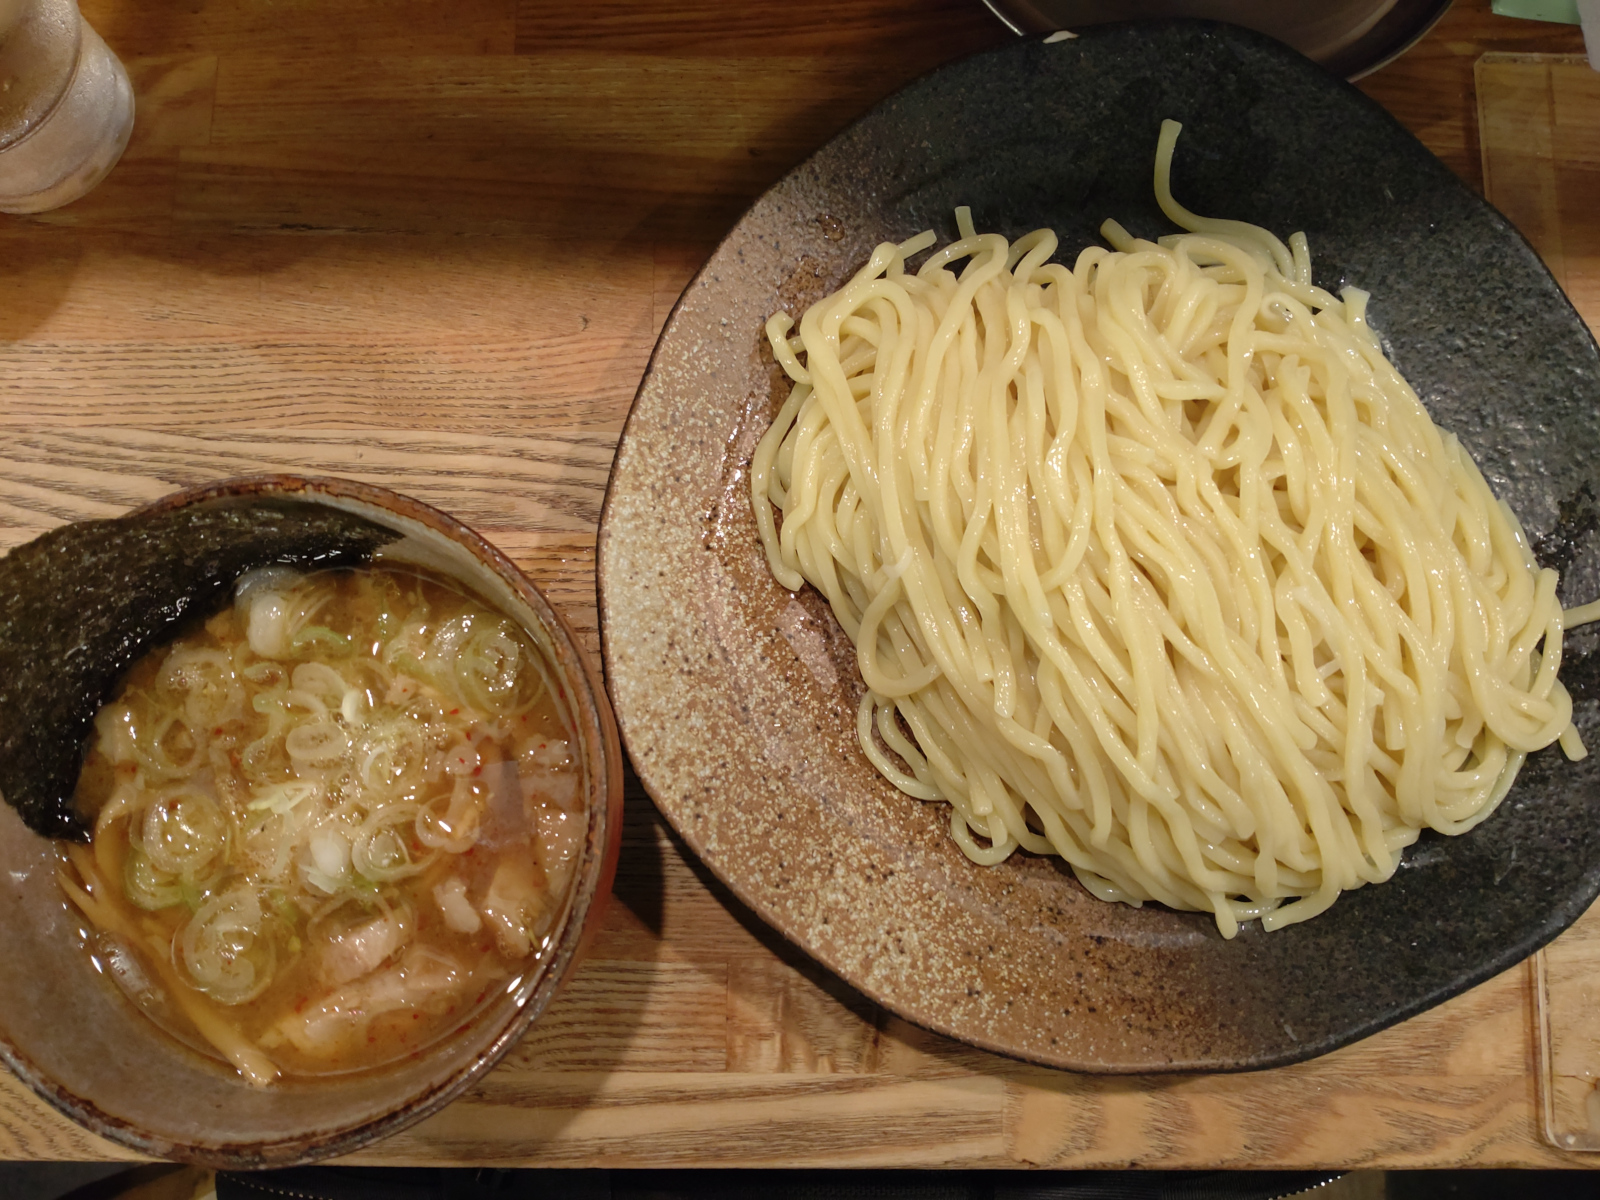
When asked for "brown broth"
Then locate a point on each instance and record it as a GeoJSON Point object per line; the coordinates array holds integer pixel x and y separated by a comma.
{"type": "Point", "coordinates": [331, 821]}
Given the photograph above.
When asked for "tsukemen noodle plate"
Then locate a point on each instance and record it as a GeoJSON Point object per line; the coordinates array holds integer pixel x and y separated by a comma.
{"type": "Point", "coordinates": [737, 700]}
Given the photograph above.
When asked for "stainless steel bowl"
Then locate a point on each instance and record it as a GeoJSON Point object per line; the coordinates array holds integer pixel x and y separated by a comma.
{"type": "Point", "coordinates": [1351, 38]}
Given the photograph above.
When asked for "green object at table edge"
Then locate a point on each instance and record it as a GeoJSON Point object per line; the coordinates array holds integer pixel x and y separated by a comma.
{"type": "Point", "coordinates": [1564, 11]}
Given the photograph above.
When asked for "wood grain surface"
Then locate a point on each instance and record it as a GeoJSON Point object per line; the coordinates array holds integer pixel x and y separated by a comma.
{"type": "Point", "coordinates": [1540, 118]}
{"type": "Point", "coordinates": [429, 244]}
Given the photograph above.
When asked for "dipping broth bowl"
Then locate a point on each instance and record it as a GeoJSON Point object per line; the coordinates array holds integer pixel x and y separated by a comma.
{"type": "Point", "coordinates": [80, 1044]}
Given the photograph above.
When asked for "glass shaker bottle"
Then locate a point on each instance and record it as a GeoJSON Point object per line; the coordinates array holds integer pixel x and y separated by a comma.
{"type": "Point", "coordinates": [66, 108]}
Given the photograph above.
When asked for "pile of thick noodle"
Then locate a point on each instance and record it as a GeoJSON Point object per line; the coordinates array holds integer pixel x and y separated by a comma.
{"type": "Point", "coordinates": [1159, 562]}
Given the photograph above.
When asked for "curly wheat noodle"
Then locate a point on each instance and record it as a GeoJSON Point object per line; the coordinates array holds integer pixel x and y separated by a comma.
{"type": "Point", "coordinates": [1160, 563]}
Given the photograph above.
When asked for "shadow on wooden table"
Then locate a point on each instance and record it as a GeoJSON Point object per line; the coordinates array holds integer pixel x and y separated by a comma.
{"type": "Point", "coordinates": [38, 278]}
{"type": "Point", "coordinates": [786, 1012]}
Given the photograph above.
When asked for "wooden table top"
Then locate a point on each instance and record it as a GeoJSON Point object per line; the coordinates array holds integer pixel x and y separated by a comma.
{"type": "Point", "coordinates": [429, 244]}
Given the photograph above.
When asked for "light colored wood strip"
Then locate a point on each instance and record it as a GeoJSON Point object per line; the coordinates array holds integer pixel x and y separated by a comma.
{"type": "Point", "coordinates": [1541, 162]}
{"type": "Point", "coordinates": [299, 27]}
{"type": "Point", "coordinates": [1516, 124]}
{"type": "Point", "coordinates": [1580, 239]}
{"type": "Point", "coordinates": [554, 101]}
{"type": "Point", "coordinates": [704, 170]}
{"type": "Point", "coordinates": [934, 30]}
{"type": "Point", "coordinates": [552, 482]}
{"type": "Point", "coordinates": [386, 290]}
{"type": "Point", "coordinates": [1575, 93]}
{"type": "Point", "coordinates": [469, 189]}
{"type": "Point", "coordinates": [1572, 975]}
{"type": "Point", "coordinates": [31, 1129]}
{"type": "Point", "coordinates": [490, 387]}
{"type": "Point", "coordinates": [711, 1120]}
{"type": "Point", "coordinates": [1575, 99]}
{"type": "Point", "coordinates": [629, 1015]}
{"type": "Point", "coordinates": [564, 571]}
{"type": "Point", "coordinates": [1239, 1121]}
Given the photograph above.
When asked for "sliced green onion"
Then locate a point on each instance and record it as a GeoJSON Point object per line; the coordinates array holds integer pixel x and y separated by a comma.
{"type": "Point", "coordinates": [224, 949]}
{"type": "Point", "coordinates": [185, 833]}
{"type": "Point", "coordinates": [282, 797]}
{"type": "Point", "coordinates": [320, 635]}
{"type": "Point", "coordinates": [148, 887]}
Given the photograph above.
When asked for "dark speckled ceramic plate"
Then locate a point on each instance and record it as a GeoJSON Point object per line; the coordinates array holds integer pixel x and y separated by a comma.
{"type": "Point", "coordinates": [737, 700]}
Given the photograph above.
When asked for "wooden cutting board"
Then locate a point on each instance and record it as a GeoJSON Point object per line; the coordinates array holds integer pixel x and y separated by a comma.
{"type": "Point", "coordinates": [429, 245]}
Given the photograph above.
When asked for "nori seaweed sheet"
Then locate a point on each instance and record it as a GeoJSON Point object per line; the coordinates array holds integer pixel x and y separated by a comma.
{"type": "Point", "coordinates": [79, 605]}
